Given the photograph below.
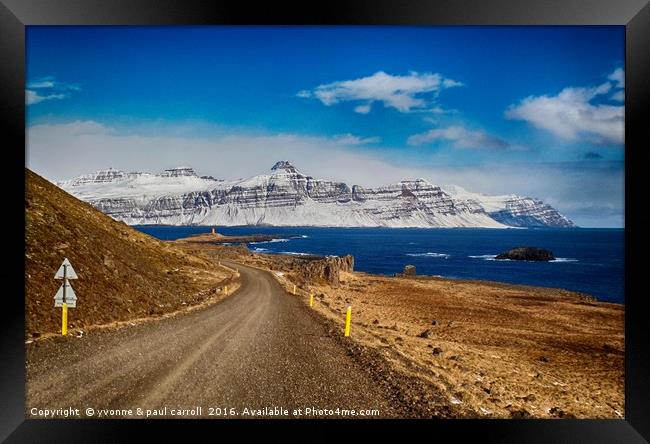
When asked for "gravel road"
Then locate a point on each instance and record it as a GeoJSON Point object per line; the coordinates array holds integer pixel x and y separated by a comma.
{"type": "Point", "coordinates": [259, 349]}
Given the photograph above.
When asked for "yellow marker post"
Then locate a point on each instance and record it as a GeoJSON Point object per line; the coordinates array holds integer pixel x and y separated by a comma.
{"type": "Point", "coordinates": [226, 290]}
{"type": "Point", "coordinates": [294, 289]}
{"type": "Point", "coordinates": [311, 299]}
{"type": "Point", "coordinates": [64, 319]}
{"type": "Point", "coordinates": [348, 318]}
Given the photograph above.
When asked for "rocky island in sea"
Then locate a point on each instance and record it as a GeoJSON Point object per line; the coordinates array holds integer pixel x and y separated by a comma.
{"type": "Point", "coordinates": [526, 254]}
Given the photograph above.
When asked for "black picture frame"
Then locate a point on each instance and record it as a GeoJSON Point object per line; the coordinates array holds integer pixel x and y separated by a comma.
{"type": "Point", "coordinates": [633, 14]}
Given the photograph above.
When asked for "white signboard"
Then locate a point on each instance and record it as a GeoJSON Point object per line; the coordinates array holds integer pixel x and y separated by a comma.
{"type": "Point", "coordinates": [70, 296]}
{"type": "Point", "coordinates": [66, 268]}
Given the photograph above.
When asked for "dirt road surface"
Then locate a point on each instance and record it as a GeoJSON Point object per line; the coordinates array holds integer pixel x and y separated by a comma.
{"type": "Point", "coordinates": [260, 348]}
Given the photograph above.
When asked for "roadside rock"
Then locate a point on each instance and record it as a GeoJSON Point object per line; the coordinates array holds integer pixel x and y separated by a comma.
{"type": "Point", "coordinates": [527, 254]}
{"type": "Point", "coordinates": [437, 351]}
{"type": "Point", "coordinates": [327, 269]}
{"type": "Point", "coordinates": [426, 334]}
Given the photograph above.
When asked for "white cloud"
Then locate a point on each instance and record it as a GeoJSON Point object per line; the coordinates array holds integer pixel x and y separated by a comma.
{"type": "Point", "coordinates": [618, 96]}
{"type": "Point", "coordinates": [574, 115]}
{"type": "Point", "coordinates": [402, 93]}
{"type": "Point", "coordinates": [618, 76]}
{"type": "Point", "coordinates": [41, 84]}
{"type": "Point", "coordinates": [437, 110]}
{"type": "Point", "coordinates": [460, 138]}
{"type": "Point", "coordinates": [48, 89]}
{"type": "Point", "coordinates": [449, 83]}
{"type": "Point", "coordinates": [32, 97]}
{"type": "Point", "coordinates": [351, 139]}
{"type": "Point", "coordinates": [363, 109]}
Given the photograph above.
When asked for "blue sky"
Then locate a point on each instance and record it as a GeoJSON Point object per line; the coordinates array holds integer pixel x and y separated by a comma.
{"type": "Point", "coordinates": [452, 104]}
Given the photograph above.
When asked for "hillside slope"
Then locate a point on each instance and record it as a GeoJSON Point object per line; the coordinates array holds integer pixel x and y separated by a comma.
{"type": "Point", "coordinates": [123, 274]}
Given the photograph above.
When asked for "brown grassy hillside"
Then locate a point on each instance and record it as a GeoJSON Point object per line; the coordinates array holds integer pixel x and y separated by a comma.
{"type": "Point", "coordinates": [123, 274]}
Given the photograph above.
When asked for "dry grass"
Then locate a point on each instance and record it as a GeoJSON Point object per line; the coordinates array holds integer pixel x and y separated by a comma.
{"type": "Point", "coordinates": [505, 350]}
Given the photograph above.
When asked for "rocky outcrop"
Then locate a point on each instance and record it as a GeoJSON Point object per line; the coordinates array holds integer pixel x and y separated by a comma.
{"type": "Point", "coordinates": [409, 270]}
{"type": "Point", "coordinates": [178, 172]}
{"type": "Point", "coordinates": [327, 269]}
{"type": "Point", "coordinates": [217, 239]}
{"type": "Point", "coordinates": [286, 197]}
{"type": "Point", "coordinates": [527, 254]}
{"type": "Point", "coordinates": [101, 176]}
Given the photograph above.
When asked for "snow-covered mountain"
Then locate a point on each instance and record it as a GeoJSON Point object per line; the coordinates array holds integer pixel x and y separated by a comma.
{"type": "Point", "coordinates": [511, 209]}
{"type": "Point", "coordinates": [285, 197]}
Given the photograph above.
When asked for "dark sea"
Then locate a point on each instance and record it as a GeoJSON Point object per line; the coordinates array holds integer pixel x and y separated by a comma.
{"type": "Point", "coordinates": [588, 260]}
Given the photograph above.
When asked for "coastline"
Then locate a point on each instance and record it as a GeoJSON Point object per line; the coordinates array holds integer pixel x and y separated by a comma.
{"type": "Point", "coordinates": [256, 238]}
{"type": "Point", "coordinates": [496, 350]}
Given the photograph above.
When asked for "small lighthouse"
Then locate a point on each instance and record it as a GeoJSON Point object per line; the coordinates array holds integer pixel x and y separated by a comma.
{"type": "Point", "coordinates": [213, 231]}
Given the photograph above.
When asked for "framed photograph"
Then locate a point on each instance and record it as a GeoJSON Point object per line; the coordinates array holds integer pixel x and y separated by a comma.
{"type": "Point", "coordinates": [419, 215]}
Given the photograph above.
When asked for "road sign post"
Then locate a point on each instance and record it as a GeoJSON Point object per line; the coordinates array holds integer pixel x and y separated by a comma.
{"type": "Point", "coordinates": [348, 318]}
{"type": "Point", "coordinates": [311, 299]}
{"type": "Point", "coordinates": [64, 319]}
{"type": "Point", "coordinates": [65, 297]}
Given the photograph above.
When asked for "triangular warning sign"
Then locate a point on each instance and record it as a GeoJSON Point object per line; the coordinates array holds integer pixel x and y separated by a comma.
{"type": "Point", "coordinates": [70, 296]}
{"type": "Point", "coordinates": [66, 268]}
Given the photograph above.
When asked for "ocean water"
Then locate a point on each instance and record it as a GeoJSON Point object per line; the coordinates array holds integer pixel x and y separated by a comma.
{"type": "Point", "coordinates": [589, 260]}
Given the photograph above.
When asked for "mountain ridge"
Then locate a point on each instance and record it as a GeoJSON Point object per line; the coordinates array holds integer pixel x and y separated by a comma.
{"type": "Point", "coordinates": [286, 197]}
